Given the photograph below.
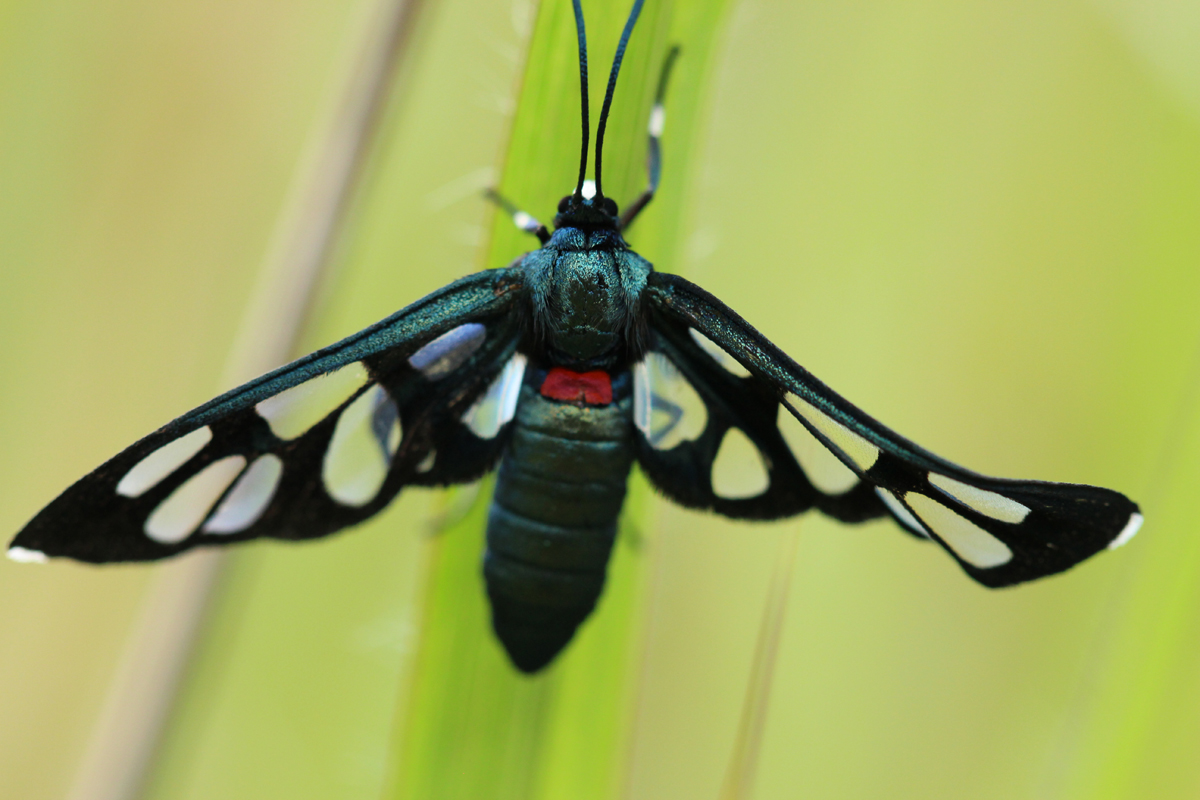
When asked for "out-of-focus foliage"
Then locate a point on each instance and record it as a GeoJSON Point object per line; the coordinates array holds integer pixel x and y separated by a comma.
{"type": "Point", "coordinates": [976, 220]}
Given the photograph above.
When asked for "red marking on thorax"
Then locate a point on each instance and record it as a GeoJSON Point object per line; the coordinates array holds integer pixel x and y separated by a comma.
{"type": "Point", "coordinates": [593, 388]}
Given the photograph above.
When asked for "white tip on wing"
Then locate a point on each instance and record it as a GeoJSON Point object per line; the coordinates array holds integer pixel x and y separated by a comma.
{"type": "Point", "coordinates": [23, 555]}
{"type": "Point", "coordinates": [1128, 532]}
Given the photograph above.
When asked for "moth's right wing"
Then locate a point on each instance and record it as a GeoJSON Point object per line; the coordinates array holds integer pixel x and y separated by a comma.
{"type": "Point", "coordinates": [814, 448]}
{"type": "Point", "coordinates": [421, 398]}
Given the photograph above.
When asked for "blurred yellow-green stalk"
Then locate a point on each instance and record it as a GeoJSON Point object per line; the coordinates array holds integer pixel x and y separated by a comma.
{"type": "Point", "coordinates": [979, 221]}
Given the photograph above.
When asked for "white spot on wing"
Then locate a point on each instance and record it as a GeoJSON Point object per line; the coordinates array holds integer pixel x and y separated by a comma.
{"type": "Point", "coordinates": [666, 408]}
{"type": "Point", "coordinates": [990, 504]}
{"type": "Point", "coordinates": [823, 469]}
{"type": "Point", "coordinates": [1128, 532]}
{"type": "Point", "coordinates": [738, 470]}
{"type": "Point", "coordinates": [719, 355]}
{"type": "Point", "coordinates": [498, 404]}
{"type": "Point", "coordinates": [427, 462]}
{"type": "Point", "coordinates": [360, 453]}
{"type": "Point", "coordinates": [293, 411]}
{"type": "Point", "coordinates": [23, 555]}
{"type": "Point", "coordinates": [896, 507]}
{"type": "Point", "coordinates": [969, 541]}
{"type": "Point", "coordinates": [249, 497]}
{"type": "Point", "coordinates": [182, 512]}
{"type": "Point", "coordinates": [449, 351]}
{"type": "Point", "coordinates": [151, 470]}
{"type": "Point", "coordinates": [857, 449]}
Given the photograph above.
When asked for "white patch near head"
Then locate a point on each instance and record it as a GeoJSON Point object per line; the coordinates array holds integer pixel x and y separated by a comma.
{"type": "Point", "coordinates": [897, 508]}
{"type": "Point", "coordinates": [293, 411]}
{"type": "Point", "coordinates": [823, 469]}
{"type": "Point", "coordinates": [498, 404]}
{"type": "Point", "coordinates": [177, 517]}
{"type": "Point", "coordinates": [970, 542]}
{"type": "Point", "coordinates": [360, 453]}
{"type": "Point", "coordinates": [739, 470]}
{"type": "Point", "coordinates": [658, 120]}
{"type": "Point", "coordinates": [731, 364]}
{"type": "Point", "coordinates": [990, 504]}
{"type": "Point", "coordinates": [666, 408]}
{"type": "Point", "coordinates": [857, 449]}
{"type": "Point", "coordinates": [23, 555]}
{"type": "Point", "coordinates": [449, 351]}
{"type": "Point", "coordinates": [150, 471]}
{"type": "Point", "coordinates": [1128, 532]}
{"type": "Point", "coordinates": [589, 189]}
{"type": "Point", "coordinates": [248, 498]}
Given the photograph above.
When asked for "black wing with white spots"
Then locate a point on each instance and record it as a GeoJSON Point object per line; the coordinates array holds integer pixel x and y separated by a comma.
{"type": "Point", "coordinates": [815, 449]}
{"type": "Point", "coordinates": [421, 398]}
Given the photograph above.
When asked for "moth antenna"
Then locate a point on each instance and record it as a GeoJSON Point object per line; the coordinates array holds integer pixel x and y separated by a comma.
{"type": "Point", "coordinates": [612, 85]}
{"type": "Point", "coordinates": [581, 34]}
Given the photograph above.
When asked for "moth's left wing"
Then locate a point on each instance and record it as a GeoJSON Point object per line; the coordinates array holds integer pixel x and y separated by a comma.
{"type": "Point", "coordinates": [836, 457]}
{"type": "Point", "coordinates": [420, 398]}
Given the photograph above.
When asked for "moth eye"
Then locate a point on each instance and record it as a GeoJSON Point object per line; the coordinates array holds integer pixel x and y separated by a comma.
{"type": "Point", "coordinates": [970, 542]}
{"type": "Point", "coordinates": [249, 497]}
{"type": "Point", "coordinates": [564, 203]}
{"type": "Point", "coordinates": [896, 507]}
{"type": "Point", "coordinates": [498, 405]}
{"type": "Point", "coordinates": [739, 470]}
{"type": "Point", "coordinates": [449, 351]}
{"type": "Point", "coordinates": [294, 411]}
{"type": "Point", "coordinates": [366, 437]}
{"type": "Point", "coordinates": [857, 449]}
{"type": "Point", "coordinates": [666, 408]}
{"type": "Point", "coordinates": [177, 517]}
{"type": "Point", "coordinates": [823, 469]}
{"type": "Point", "coordinates": [151, 470]}
{"type": "Point", "coordinates": [731, 365]}
{"type": "Point", "coordinates": [990, 504]}
{"type": "Point", "coordinates": [610, 206]}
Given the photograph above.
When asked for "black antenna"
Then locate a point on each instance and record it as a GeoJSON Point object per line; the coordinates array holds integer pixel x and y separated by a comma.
{"type": "Point", "coordinates": [583, 96]}
{"type": "Point", "coordinates": [612, 85]}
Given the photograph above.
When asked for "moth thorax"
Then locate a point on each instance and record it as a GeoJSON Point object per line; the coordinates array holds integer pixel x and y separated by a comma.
{"type": "Point", "coordinates": [588, 308]}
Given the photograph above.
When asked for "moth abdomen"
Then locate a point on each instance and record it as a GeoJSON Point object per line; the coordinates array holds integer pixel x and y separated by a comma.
{"type": "Point", "coordinates": [553, 521]}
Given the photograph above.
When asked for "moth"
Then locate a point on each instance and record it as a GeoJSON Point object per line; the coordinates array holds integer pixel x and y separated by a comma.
{"type": "Point", "coordinates": [564, 369]}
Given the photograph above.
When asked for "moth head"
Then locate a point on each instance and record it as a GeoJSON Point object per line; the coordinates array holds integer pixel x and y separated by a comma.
{"type": "Point", "coordinates": [587, 210]}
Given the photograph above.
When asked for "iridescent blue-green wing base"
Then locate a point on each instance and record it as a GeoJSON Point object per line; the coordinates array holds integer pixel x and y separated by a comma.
{"type": "Point", "coordinates": [313, 447]}
{"type": "Point", "coordinates": [818, 450]}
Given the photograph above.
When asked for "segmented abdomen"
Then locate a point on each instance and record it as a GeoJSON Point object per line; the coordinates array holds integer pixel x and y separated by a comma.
{"type": "Point", "coordinates": [553, 520]}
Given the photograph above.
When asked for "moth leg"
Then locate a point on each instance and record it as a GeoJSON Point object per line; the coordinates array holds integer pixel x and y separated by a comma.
{"type": "Point", "coordinates": [658, 116]}
{"type": "Point", "coordinates": [522, 219]}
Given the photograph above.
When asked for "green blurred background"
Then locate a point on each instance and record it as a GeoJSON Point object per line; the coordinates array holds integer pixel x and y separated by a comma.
{"type": "Point", "coordinates": [977, 220]}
